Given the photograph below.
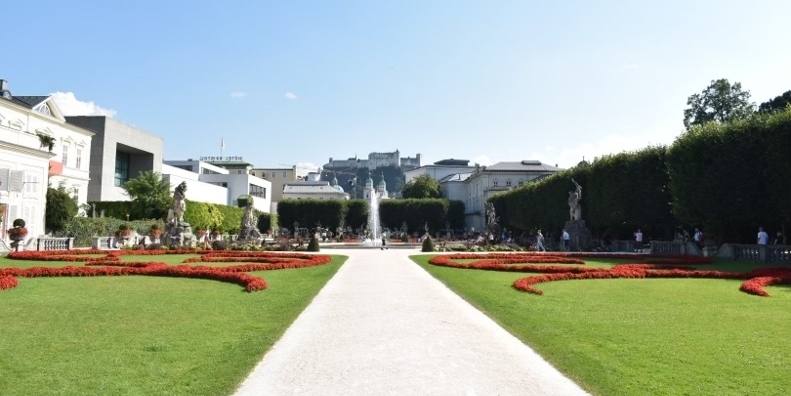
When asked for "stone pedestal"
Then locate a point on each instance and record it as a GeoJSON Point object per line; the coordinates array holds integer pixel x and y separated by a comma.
{"type": "Point", "coordinates": [249, 235]}
{"type": "Point", "coordinates": [178, 234]}
{"type": "Point", "coordinates": [579, 235]}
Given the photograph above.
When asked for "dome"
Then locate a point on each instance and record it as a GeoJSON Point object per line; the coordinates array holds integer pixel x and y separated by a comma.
{"type": "Point", "coordinates": [338, 188]}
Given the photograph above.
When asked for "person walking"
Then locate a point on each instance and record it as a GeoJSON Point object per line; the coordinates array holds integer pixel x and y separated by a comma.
{"type": "Point", "coordinates": [566, 239]}
{"type": "Point", "coordinates": [763, 237]}
{"type": "Point", "coordinates": [638, 240]}
{"type": "Point", "coordinates": [540, 242]}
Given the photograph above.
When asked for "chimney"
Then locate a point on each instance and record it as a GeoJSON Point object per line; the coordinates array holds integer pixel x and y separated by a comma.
{"type": "Point", "coordinates": [4, 89]}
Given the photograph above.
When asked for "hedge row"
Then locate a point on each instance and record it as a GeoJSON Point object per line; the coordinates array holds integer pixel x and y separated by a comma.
{"type": "Point", "coordinates": [393, 213]}
{"type": "Point", "coordinates": [84, 228]}
{"type": "Point", "coordinates": [728, 178]}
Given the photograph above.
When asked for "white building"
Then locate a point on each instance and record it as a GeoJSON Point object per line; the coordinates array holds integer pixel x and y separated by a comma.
{"type": "Point", "coordinates": [28, 124]}
{"type": "Point", "coordinates": [214, 184]}
{"type": "Point", "coordinates": [381, 188]}
{"type": "Point", "coordinates": [439, 169]}
{"type": "Point", "coordinates": [314, 190]}
{"type": "Point", "coordinates": [483, 182]}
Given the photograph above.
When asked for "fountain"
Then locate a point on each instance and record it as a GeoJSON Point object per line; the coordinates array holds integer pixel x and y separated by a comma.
{"type": "Point", "coordinates": [375, 238]}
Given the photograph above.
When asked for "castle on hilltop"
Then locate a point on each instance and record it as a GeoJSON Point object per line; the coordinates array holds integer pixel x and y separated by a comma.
{"type": "Point", "coordinates": [376, 160]}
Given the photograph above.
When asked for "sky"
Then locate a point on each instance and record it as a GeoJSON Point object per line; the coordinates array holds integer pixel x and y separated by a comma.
{"type": "Point", "coordinates": [297, 82]}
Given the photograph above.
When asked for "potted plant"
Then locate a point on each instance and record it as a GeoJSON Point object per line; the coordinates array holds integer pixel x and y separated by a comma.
{"type": "Point", "coordinates": [123, 231]}
{"type": "Point", "coordinates": [154, 232]}
{"type": "Point", "coordinates": [18, 233]}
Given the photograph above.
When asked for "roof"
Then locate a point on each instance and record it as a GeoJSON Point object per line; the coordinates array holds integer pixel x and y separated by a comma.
{"type": "Point", "coordinates": [310, 189]}
{"type": "Point", "coordinates": [307, 183]}
{"type": "Point", "coordinates": [29, 101]}
{"type": "Point", "coordinates": [453, 161]}
{"type": "Point", "coordinates": [522, 166]}
{"type": "Point", "coordinates": [459, 177]}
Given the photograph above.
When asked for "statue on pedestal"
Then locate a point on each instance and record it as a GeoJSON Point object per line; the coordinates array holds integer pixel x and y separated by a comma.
{"type": "Point", "coordinates": [575, 210]}
{"type": "Point", "coordinates": [249, 227]}
{"type": "Point", "coordinates": [177, 232]}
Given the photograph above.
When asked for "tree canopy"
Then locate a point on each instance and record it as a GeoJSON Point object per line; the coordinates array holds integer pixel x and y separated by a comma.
{"type": "Point", "coordinates": [719, 102]}
{"type": "Point", "coordinates": [150, 195]}
{"type": "Point", "coordinates": [776, 104]}
{"type": "Point", "coordinates": [61, 207]}
{"type": "Point", "coordinates": [422, 186]}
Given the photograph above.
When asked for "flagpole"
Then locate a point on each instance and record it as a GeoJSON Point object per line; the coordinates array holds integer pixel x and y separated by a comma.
{"type": "Point", "coordinates": [222, 148]}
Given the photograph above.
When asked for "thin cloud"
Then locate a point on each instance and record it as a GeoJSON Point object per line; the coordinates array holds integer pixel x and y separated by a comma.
{"type": "Point", "coordinates": [291, 96]}
{"type": "Point", "coordinates": [69, 105]}
{"type": "Point", "coordinates": [482, 160]}
{"type": "Point", "coordinates": [238, 94]}
{"type": "Point", "coordinates": [304, 167]}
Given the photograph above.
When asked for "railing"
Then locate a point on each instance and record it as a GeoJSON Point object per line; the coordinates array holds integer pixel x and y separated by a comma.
{"type": "Point", "coordinates": [670, 247]}
{"type": "Point", "coordinates": [623, 246]}
{"type": "Point", "coordinates": [102, 242]}
{"type": "Point", "coordinates": [51, 243]}
{"type": "Point", "coordinates": [764, 253]}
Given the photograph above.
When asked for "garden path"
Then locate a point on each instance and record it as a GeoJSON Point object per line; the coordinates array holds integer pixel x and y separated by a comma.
{"type": "Point", "coordinates": [383, 326]}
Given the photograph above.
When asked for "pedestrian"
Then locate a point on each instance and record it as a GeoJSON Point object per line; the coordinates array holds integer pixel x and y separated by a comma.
{"type": "Point", "coordinates": [698, 238]}
{"type": "Point", "coordinates": [780, 239]}
{"type": "Point", "coordinates": [638, 240]}
{"type": "Point", "coordinates": [540, 242]}
{"type": "Point", "coordinates": [763, 237]}
{"type": "Point", "coordinates": [566, 239]}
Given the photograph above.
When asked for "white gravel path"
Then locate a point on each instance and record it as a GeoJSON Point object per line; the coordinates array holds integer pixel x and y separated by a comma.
{"type": "Point", "coordinates": [383, 326]}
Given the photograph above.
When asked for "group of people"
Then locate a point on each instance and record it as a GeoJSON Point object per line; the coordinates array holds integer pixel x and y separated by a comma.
{"type": "Point", "coordinates": [540, 239]}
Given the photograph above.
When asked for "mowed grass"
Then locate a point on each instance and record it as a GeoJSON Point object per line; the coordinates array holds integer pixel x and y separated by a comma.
{"type": "Point", "coordinates": [142, 335]}
{"type": "Point", "coordinates": [644, 336]}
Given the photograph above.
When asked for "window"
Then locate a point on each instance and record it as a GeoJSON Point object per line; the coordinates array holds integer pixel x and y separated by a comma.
{"type": "Point", "coordinates": [44, 109]}
{"type": "Point", "coordinates": [284, 174]}
{"type": "Point", "coordinates": [239, 172]}
{"type": "Point", "coordinates": [121, 168]}
{"type": "Point", "coordinates": [508, 182]}
{"type": "Point", "coordinates": [495, 182]}
{"type": "Point", "coordinates": [257, 191]}
{"type": "Point", "coordinates": [273, 175]}
{"type": "Point", "coordinates": [78, 165]}
{"type": "Point", "coordinates": [253, 173]}
{"type": "Point", "coordinates": [65, 159]}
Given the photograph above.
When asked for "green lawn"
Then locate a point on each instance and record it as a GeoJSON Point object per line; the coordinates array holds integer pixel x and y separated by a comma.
{"type": "Point", "coordinates": [140, 335]}
{"type": "Point", "coordinates": [644, 336]}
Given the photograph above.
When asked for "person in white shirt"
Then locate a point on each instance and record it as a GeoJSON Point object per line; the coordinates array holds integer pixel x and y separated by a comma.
{"type": "Point", "coordinates": [763, 237]}
{"type": "Point", "coordinates": [540, 242]}
{"type": "Point", "coordinates": [698, 237]}
{"type": "Point", "coordinates": [638, 238]}
{"type": "Point", "coordinates": [565, 240]}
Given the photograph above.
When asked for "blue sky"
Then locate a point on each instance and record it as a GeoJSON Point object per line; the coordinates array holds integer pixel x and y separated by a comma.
{"type": "Point", "coordinates": [287, 82]}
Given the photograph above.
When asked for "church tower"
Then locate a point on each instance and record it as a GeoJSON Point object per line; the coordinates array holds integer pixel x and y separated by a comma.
{"type": "Point", "coordinates": [369, 188]}
{"type": "Point", "coordinates": [382, 188]}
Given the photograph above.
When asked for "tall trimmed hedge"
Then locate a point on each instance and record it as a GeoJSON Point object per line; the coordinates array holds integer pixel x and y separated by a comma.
{"type": "Point", "coordinates": [357, 213]}
{"type": "Point", "coordinates": [731, 178]}
{"type": "Point", "coordinates": [267, 222]}
{"type": "Point", "coordinates": [311, 212]}
{"type": "Point", "coordinates": [415, 212]}
{"type": "Point", "coordinates": [727, 178]}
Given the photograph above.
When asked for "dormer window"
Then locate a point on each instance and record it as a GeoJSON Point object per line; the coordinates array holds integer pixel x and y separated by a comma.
{"type": "Point", "coordinates": [44, 109]}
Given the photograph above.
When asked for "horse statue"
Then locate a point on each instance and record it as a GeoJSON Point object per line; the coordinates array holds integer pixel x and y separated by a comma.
{"type": "Point", "coordinates": [176, 211]}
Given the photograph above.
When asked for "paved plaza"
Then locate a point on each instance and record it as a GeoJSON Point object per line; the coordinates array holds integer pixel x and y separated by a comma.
{"type": "Point", "coordinates": [383, 326]}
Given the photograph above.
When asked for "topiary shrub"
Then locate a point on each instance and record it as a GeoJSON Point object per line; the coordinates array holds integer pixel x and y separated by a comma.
{"type": "Point", "coordinates": [313, 245]}
{"type": "Point", "coordinates": [219, 245]}
{"type": "Point", "coordinates": [428, 245]}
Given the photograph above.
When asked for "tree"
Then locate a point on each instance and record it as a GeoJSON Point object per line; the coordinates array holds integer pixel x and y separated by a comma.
{"type": "Point", "coordinates": [778, 103]}
{"type": "Point", "coordinates": [150, 195]}
{"type": "Point", "coordinates": [60, 208]}
{"type": "Point", "coordinates": [422, 186]}
{"type": "Point", "coordinates": [719, 102]}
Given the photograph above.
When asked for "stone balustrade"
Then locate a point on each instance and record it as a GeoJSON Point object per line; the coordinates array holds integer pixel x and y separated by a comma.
{"type": "Point", "coordinates": [623, 246]}
{"type": "Point", "coordinates": [52, 243]}
{"type": "Point", "coordinates": [670, 247]}
{"type": "Point", "coordinates": [761, 253]}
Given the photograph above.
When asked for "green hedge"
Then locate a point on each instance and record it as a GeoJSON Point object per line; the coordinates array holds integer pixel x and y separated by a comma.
{"type": "Point", "coordinates": [357, 214]}
{"type": "Point", "coordinates": [393, 213]}
{"type": "Point", "coordinates": [731, 178]}
{"type": "Point", "coordinates": [267, 222]}
{"type": "Point", "coordinates": [309, 213]}
{"type": "Point", "coordinates": [727, 178]}
{"type": "Point", "coordinates": [84, 228]}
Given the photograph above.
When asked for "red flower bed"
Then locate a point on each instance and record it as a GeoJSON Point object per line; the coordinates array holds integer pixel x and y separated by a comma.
{"type": "Point", "coordinates": [110, 265]}
{"type": "Point", "coordinates": [650, 266]}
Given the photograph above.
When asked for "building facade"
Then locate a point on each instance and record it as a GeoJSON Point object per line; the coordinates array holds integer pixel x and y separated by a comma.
{"type": "Point", "coordinates": [119, 152]}
{"type": "Point", "coordinates": [207, 182]}
{"type": "Point", "coordinates": [279, 177]}
{"type": "Point", "coordinates": [439, 169]}
{"type": "Point", "coordinates": [38, 149]}
{"type": "Point", "coordinates": [375, 160]}
{"type": "Point", "coordinates": [486, 181]}
{"type": "Point", "coordinates": [314, 190]}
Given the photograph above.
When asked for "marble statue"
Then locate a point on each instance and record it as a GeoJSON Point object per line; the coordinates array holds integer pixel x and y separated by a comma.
{"type": "Point", "coordinates": [176, 211]}
{"type": "Point", "coordinates": [249, 227]}
{"type": "Point", "coordinates": [575, 210]}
